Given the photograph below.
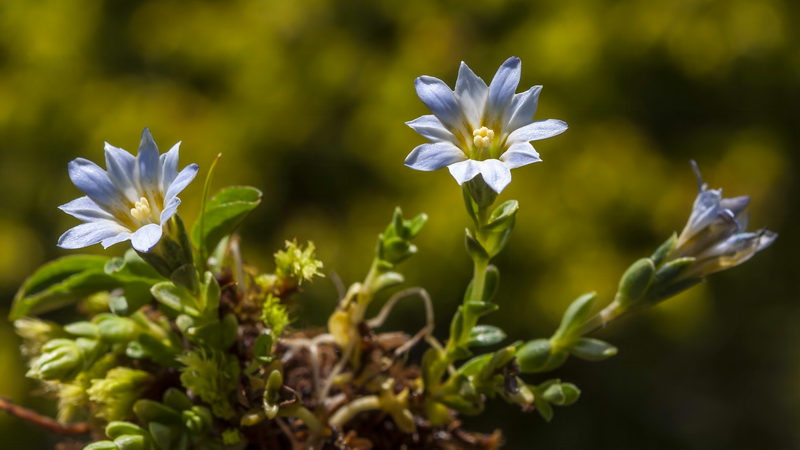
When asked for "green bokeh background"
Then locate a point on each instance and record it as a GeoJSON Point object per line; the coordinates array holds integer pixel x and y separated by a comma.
{"type": "Point", "coordinates": [306, 100]}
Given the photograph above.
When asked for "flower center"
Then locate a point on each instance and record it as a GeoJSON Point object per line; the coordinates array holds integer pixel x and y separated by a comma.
{"type": "Point", "coordinates": [483, 137]}
{"type": "Point", "coordinates": [141, 210]}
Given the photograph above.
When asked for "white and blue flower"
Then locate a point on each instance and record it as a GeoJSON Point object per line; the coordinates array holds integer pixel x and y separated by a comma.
{"type": "Point", "coordinates": [715, 233]}
{"type": "Point", "coordinates": [132, 200]}
{"type": "Point", "coordinates": [479, 129]}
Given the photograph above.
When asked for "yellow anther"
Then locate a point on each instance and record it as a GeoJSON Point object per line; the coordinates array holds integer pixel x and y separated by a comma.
{"type": "Point", "coordinates": [141, 209]}
{"type": "Point", "coordinates": [482, 137]}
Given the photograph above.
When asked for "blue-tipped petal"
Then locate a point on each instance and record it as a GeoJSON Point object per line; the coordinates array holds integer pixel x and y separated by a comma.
{"type": "Point", "coordinates": [464, 171]}
{"type": "Point", "coordinates": [520, 154]}
{"type": "Point", "coordinates": [495, 174]}
{"type": "Point", "coordinates": [121, 167]}
{"type": "Point", "coordinates": [89, 233]}
{"type": "Point", "coordinates": [146, 237]}
{"type": "Point", "coordinates": [438, 97]}
{"type": "Point", "coordinates": [181, 181]}
{"type": "Point", "coordinates": [541, 129]}
{"type": "Point", "coordinates": [169, 166]}
{"type": "Point", "coordinates": [434, 156]}
{"type": "Point", "coordinates": [147, 161]}
{"type": "Point", "coordinates": [471, 92]}
{"type": "Point", "coordinates": [95, 183]}
{"type": "Point", "coordinates": [429, 127]}
{"type": "Point", "coordinates": [502, 89]}
{"type": "Point", "coordinates": [85, 209]}
{"type": "Point", "coordinates": [169, 210]}
{"type": "Point", "coordinates": [523, 107]}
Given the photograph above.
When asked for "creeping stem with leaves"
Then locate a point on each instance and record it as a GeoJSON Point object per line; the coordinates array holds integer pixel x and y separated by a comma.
{"type": "Point", "coordinates": [184, 345]}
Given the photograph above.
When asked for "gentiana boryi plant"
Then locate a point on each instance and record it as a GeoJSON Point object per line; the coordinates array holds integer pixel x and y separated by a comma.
{"type": "Point", "coordinates": [184, 345]}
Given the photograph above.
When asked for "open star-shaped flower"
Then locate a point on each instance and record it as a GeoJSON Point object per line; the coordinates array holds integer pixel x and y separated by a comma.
{"type": "Point", "coordinates": [132, 200]}
{"type": "Point", "coordinates": [479, 129]}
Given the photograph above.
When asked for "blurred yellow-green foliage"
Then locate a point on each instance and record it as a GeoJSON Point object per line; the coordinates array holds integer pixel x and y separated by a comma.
{"type": "Point", "coordinates": [306, 100]}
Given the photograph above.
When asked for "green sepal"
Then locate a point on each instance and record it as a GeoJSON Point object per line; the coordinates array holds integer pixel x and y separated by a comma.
{"type": "Point", "coordinates": [671, 270]}
{"type": "Point", "coordinates": [574, 316]}
{"type": "Point", "coordinates": [635, 282]}
{"type": "Point", "coordinates": [223, 214]}
{"type": "Point", "coordinates": [591, 349]}
{"type": "Point", "coordinates": [61, 282]}
{"type": "Point", "coordinates": [664, 249]}
{"type": "Point", "coordinates": [485, 335]}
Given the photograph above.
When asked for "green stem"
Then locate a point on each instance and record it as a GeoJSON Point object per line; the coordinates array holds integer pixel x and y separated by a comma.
{"type": "Point", "coordinates": [302, 413]}
{"type": "Point", "coordinates": [599, 320]}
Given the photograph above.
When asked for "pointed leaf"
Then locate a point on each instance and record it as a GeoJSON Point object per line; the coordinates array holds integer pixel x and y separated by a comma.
{"type": "Point", "coordinates": [223, 214]}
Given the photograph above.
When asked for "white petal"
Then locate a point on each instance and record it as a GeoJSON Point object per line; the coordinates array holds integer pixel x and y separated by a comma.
{"type": "Point", "coordinates": [434, 156]}
{"type": "Point", "coordinates": [121, 167]}
{"type": "Point", "coordinates": [501, 90]}
{"type": "Point", "coordinates": [181, 181]}
{"type": "Point", "coordinates": [471, 92]}
{"type": "Point", "coordinates": [169, 210]}
{"type": "Point", "coordinates": [429, 127]}
{"type": "Point", "coordinates": [523, 107]}
{"type": "Point", "coordinates": [519, 154]}
{"type": "Point", "coordinates": [464, 171]}
{"type": "Point", "coordinates": [541, 129]}
{"type": "Point", "coordinates": [85, 209]}
{"type": "Point", "coordinates": [121, 237]}
{"type": "Point", "coordinates": [145, 238]}
{"type": "Point", "coordinates": [89, 233]}
{"type": "Point", "coordinates": [495, 174]}
{"type": "Point", "coordinates": [736, 204]}
{"type": "Point", "coordinates": [169, 167]}
{"type": "Point", "coordinates": [438, 97]}
{"type": "Point", "coordinates": [147, 162]}
{"type": "Point", "coordinates": [94, 182]}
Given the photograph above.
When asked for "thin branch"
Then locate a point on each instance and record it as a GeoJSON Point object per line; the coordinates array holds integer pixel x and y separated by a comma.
{"type": "Point", "coordinates": [41, 421]}
{"type": "Point", "coordinates": [378, 320]}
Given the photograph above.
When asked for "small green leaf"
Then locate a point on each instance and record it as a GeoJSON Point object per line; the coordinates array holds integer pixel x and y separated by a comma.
{"type": "Point", "coordinates": [544, 408]}
{"type": "Point", "coordinates": [575, 315]}
{"type": "Point", "coordinates": [591, 349]}
{"type": "Point", "coordinates": [132, 268]}
{"type": "Point", "coordinates": [415, 225]}
{"type": "Point", "coordinates": [502, 216]}
{"type": "Point", "coordinates": [474, 248]}
{"type": "Point", "coordinates": [101, 445]}
{"type": "Point", "coordinates": [223, 214]}
{"type": "Point", "coordinates": [113, 328]}
{"type": "Point", "coordinates": [131, 442]}
{"type": "Point", "coordinates": [162, 435]}
{"type": "Point", "coordinates": [152, 411]}
{"type": "Point", "coordinates": [176, 298]}
{"type": "Point", "coordinates": [485, 335]}
{"type": "Point", "coordinates": [262, 348]}
{"type": "Point", "coordinates": [61, 282]}
{"type": "Point", "coordinates": [664, 250]}
{"type": "Point", "coordinates": [177, 399]}
{"type": "Point", "coordinates": [491, 283]}
{"type": "Point", "coordinates": [82, 328]}
{"type": "Point", "coordinates": [116, 429]}
{"type": "Point", "coordinates": [481, 308]}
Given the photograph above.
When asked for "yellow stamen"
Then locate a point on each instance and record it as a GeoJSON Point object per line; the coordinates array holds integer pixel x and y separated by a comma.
{"type": "Point", "coordinates": [483, 137]}
{"type": "Point", "coordinates": [141, 209]}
